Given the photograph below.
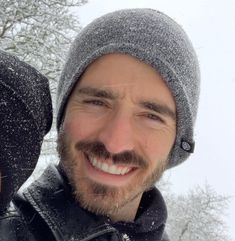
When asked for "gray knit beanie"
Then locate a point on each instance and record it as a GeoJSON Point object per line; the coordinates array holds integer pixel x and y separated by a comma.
{"type": "Point", "coordinates": [155, 39]}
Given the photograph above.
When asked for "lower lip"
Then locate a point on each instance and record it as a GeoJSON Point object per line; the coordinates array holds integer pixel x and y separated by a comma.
{"type": "Point", "coordinates": [106, 178]}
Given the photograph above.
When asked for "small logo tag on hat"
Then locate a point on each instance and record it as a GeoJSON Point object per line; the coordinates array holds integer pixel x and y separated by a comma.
{"type": "Point", "coordinates": [187, 146]}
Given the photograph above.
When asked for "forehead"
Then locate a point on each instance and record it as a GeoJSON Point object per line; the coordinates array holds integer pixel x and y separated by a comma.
{"type": "Point", "coordinates": [125, 75]}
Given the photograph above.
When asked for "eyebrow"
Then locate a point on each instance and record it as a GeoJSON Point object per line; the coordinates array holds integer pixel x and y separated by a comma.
{"type": "Point", "coordinates": [93, 92]}
{"type": "Point", "coordinates": [159, 108]}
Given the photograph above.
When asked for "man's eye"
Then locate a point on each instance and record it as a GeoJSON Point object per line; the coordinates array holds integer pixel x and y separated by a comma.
{"type": "Point", "coordinates": [155, 118]}
{"type": "Point", "coordinates": [94, 102]}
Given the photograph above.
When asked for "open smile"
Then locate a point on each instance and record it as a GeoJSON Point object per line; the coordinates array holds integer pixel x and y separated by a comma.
{"type": "Point", "coordinates": [108, 167]}
{"type": "Point", "coordinates": [104, 171]}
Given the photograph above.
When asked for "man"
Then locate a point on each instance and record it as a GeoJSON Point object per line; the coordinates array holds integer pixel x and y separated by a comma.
{"type": "Point", "coordinates": [126, 107]}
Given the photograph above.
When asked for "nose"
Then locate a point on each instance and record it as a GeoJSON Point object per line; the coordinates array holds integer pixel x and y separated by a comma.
{"type": "Point", "coordinates": [117, 134]}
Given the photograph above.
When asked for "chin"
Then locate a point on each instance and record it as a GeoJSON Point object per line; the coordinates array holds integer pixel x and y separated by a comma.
{"type": "Point", "coordinates": [104, 199]}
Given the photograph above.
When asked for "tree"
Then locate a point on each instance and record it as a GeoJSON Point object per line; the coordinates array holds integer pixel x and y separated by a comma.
{"type": "Point", "coordinates": [40, 32]}
{"type": "Point", "coordinates": [197, 216]}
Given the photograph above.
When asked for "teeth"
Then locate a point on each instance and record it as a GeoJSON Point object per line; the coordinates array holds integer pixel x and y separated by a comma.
{"type": "Point", "coordinates": [124, 170]}
{"type": "Point", "coordinates": [111, 169]}
{"type": "Point", "coordinates": [105, 167]}
{"type": "Point", "coordinates": [99, 165]}
{"type": "Point", "coordinates": [94, 161]}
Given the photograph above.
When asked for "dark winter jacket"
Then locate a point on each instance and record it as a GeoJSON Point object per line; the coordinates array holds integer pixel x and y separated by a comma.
{"type": "Point", "coordinates": [46, 211]}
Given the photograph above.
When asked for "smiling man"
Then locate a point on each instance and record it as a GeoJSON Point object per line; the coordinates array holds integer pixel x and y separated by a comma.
{"type": "Point", "coordinates": [126, 107]}
{"type": "Point", "coordinates": [118, 130]}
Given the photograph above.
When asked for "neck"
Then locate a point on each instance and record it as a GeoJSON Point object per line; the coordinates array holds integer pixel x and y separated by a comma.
{"type": "Point", "coordinates": [127, 213]}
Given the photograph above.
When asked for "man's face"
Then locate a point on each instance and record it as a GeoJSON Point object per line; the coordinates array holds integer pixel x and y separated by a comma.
{"type": "Point", "coordinates": [118, 131]}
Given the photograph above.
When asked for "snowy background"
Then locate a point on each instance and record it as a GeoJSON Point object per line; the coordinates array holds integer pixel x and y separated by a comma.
{"type": "Point", "coordinates": [211, 27]}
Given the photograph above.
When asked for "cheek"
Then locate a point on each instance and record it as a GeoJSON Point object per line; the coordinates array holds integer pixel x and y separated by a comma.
{"type": "Point", "coordinates": [79, 127]}
{"type": "Point", "coordinates": [157, 148]}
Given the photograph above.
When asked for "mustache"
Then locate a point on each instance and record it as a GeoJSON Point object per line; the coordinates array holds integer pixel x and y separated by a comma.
{"type": "Point", "coordinates": [99, 150]}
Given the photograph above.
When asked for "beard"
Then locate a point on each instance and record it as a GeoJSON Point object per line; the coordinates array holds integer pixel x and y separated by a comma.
{"type": "Point", "coordinates": [99, 198]}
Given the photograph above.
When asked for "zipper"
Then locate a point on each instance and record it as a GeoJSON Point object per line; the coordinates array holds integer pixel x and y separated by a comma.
{"type": "Point", "coordinates": [125, 237]}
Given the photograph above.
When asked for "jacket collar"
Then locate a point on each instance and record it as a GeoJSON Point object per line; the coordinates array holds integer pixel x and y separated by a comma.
{"type": "Point", "coordinates": [51, 196]}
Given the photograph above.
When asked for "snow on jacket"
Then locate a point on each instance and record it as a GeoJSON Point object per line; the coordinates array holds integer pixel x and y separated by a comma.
{"type": "Point", "coordinates": [47, 211]}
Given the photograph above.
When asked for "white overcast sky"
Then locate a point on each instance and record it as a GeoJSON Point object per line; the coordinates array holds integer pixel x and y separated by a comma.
{"type": "Point", "coordinates": [211, 26]}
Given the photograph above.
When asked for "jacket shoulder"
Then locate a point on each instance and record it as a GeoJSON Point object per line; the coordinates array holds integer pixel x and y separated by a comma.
{"type": "Point", "coordinates": [21, 222]}
{"type": "Point", "coordinates": [12, 226]}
